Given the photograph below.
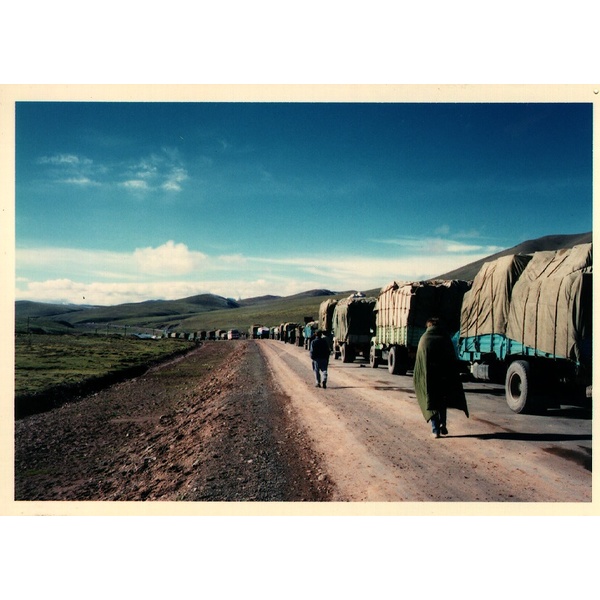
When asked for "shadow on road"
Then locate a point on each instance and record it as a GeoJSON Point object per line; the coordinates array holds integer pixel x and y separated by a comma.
{"type": "Point", "coordinates": [488, 391]}
{"type": "Point", "coordinates": [569, 412]}
{"type": "Point", "coordinates": [525, 437]}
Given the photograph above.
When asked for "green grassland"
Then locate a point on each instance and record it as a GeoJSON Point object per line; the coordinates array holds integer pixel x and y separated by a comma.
{"type": "Point", "coordinates": [51, 368]}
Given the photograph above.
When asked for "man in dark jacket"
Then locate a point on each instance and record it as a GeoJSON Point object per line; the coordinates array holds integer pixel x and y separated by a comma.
{"type": "Point", "coordinates": [436, 377]}
{"type": "Point", "coordinates": [319, 353]}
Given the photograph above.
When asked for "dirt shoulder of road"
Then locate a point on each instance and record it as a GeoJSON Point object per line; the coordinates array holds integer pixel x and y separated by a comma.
{"type": "Point", "coordinates": [207, 427]}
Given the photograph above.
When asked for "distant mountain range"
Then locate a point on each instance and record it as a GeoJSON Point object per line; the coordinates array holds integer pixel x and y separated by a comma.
{"type": "Point", "coordinates": [207, 311]}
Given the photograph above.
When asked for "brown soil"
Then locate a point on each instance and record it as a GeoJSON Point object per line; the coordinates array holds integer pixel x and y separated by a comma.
{"type": "Point", "coordinates": [209, 427]}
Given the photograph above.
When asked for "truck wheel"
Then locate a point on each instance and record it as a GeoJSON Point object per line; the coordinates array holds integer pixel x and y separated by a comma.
{"type": "Point", "coordinates": [397, 361]}
{"type": "Point", "coordinates": [518, 387]}
{"type": "Point", "coordinates": [373, 359]}
{"type": "Point", "coordinates": [347, 354]}
{"type": "Point", "coordinates": [393, 360]}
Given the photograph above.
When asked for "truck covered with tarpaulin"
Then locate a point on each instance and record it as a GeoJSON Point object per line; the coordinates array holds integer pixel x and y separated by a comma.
{"type": "Point", "coordinates": [353, 325]}
{"type": "Point", "coordinates": [527, 320]}
{"type": "Point", "coordinates": [401, 314]}
{"type": "Point", "coordinates": [310, 330]}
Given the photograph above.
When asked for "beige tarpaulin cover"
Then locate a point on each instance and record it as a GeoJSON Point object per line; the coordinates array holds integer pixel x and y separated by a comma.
{"type": "Point", "coordinates": [326, 309]}
{"type": "Point", "coordinates": [353, 319]}
{"type": "Point", "coordinates": [486, 305]}
{"type": "Point", "coordinates": [403, 308]}
{"type": "Point", "coordinates": [551, 303]}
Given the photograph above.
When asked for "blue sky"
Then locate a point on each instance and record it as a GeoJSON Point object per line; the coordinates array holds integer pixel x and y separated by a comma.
{"type": "Point", "coordinates": [125, 202]}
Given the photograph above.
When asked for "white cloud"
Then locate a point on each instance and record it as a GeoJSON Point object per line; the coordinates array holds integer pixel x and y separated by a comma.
{"type": "Point", "coordinates": [64, 159]}
{"type": "Point", "coordinates": [146, 168]}
{"type": "Point", "coordinates": [439, 246]}
{"type": "Point", "coordinates": [73, 262]}
{"type": "Point", "coordinates": [232, 259]}
{"type": "Point", "coordinates": [104, 293]}
{"type": "Point", "coordinates": [80, 181]}
{"type": "Point", "coordinates": [71, 169]}
{"type": "Point", "coordinates": [361, 273]}
{"type": "Point", "coordinates": [135, 184]}
{"type": "Point", "coordinates": [174, 180]}
{"type": "Point", "coordinates": [158, 171]}
{"type": "Point", "coordinates": [169, 259]}
{"type": "Point", "coordinates": [172, 270]}
{"type": "Point", "coordinates": [455, 247]}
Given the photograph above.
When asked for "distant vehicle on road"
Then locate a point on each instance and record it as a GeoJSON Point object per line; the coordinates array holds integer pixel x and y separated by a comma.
{"type": "Point", "coordinates": [353, 326]}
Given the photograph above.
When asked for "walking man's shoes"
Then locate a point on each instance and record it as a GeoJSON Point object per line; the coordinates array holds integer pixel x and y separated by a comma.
{"type": "Point", "coordinates": [324, 384]}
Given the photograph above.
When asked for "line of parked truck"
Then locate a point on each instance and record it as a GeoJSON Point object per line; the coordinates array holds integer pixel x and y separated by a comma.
{"type": "Point", "coordinates": [525, 320]}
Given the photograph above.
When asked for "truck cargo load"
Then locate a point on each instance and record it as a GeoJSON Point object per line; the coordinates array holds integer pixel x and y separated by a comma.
{"type": "Point", "coordinates": [353, 325]}
{"type": "Point", "coordinates": [551, 306]}
{"type": "Point", "coordinates": [486, 305]}
{"type": "Point", "coordinates": [402, 311]}
{"type": "Point", "coordinates": [326, 309]}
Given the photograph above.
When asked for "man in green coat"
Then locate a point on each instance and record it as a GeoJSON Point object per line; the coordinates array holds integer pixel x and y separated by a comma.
{"type": "Point", "coordinates": [436, 377]}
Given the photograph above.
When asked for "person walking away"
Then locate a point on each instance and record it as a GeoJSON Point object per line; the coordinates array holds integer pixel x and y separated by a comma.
{"type": "Point", "coordinates": [436, 377]}
{"type": "Point", "coordinates": [319, 353]}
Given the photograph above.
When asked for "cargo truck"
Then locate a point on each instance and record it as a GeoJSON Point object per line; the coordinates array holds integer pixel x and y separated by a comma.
{"type": "Point", "coordinates": [353, 325]}
{"type": "Point", "coordinates": [527, 322]}
{"type": "Point", "coordinates": [310, 329]}
{"type": "Point", "coordinates": [326, 310]}
{"type": "Point", "coordinates": [401, 315]}
{"type": "Point", "coordinates": [288, 333]}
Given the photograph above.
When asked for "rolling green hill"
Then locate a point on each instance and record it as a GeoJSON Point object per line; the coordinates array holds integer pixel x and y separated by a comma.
{"type": "Point", "coordinates": [27, 308]}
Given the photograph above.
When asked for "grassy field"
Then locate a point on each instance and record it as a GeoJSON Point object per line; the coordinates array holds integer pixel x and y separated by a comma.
{"type": "Point", "coordinates": [50, 368]}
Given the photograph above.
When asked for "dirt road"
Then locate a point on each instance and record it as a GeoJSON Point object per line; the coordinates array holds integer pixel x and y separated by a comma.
{"type": "Point", "coordinates": [242, 421]}
{"type": "Point", "coordinates": [206, 427]}
{"type": "Point", "coordinates": [377, 446]}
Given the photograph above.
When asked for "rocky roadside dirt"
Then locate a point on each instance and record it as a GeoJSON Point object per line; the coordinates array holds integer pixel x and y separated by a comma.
{"type": "Point", "coordinates": [208, 427]}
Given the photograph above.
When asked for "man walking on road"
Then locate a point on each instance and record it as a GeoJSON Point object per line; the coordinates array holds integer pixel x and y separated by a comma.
{"type": "Point", "coordinates": [319, 353]}
{"type": "Point", "coordinates": [436, 378]}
